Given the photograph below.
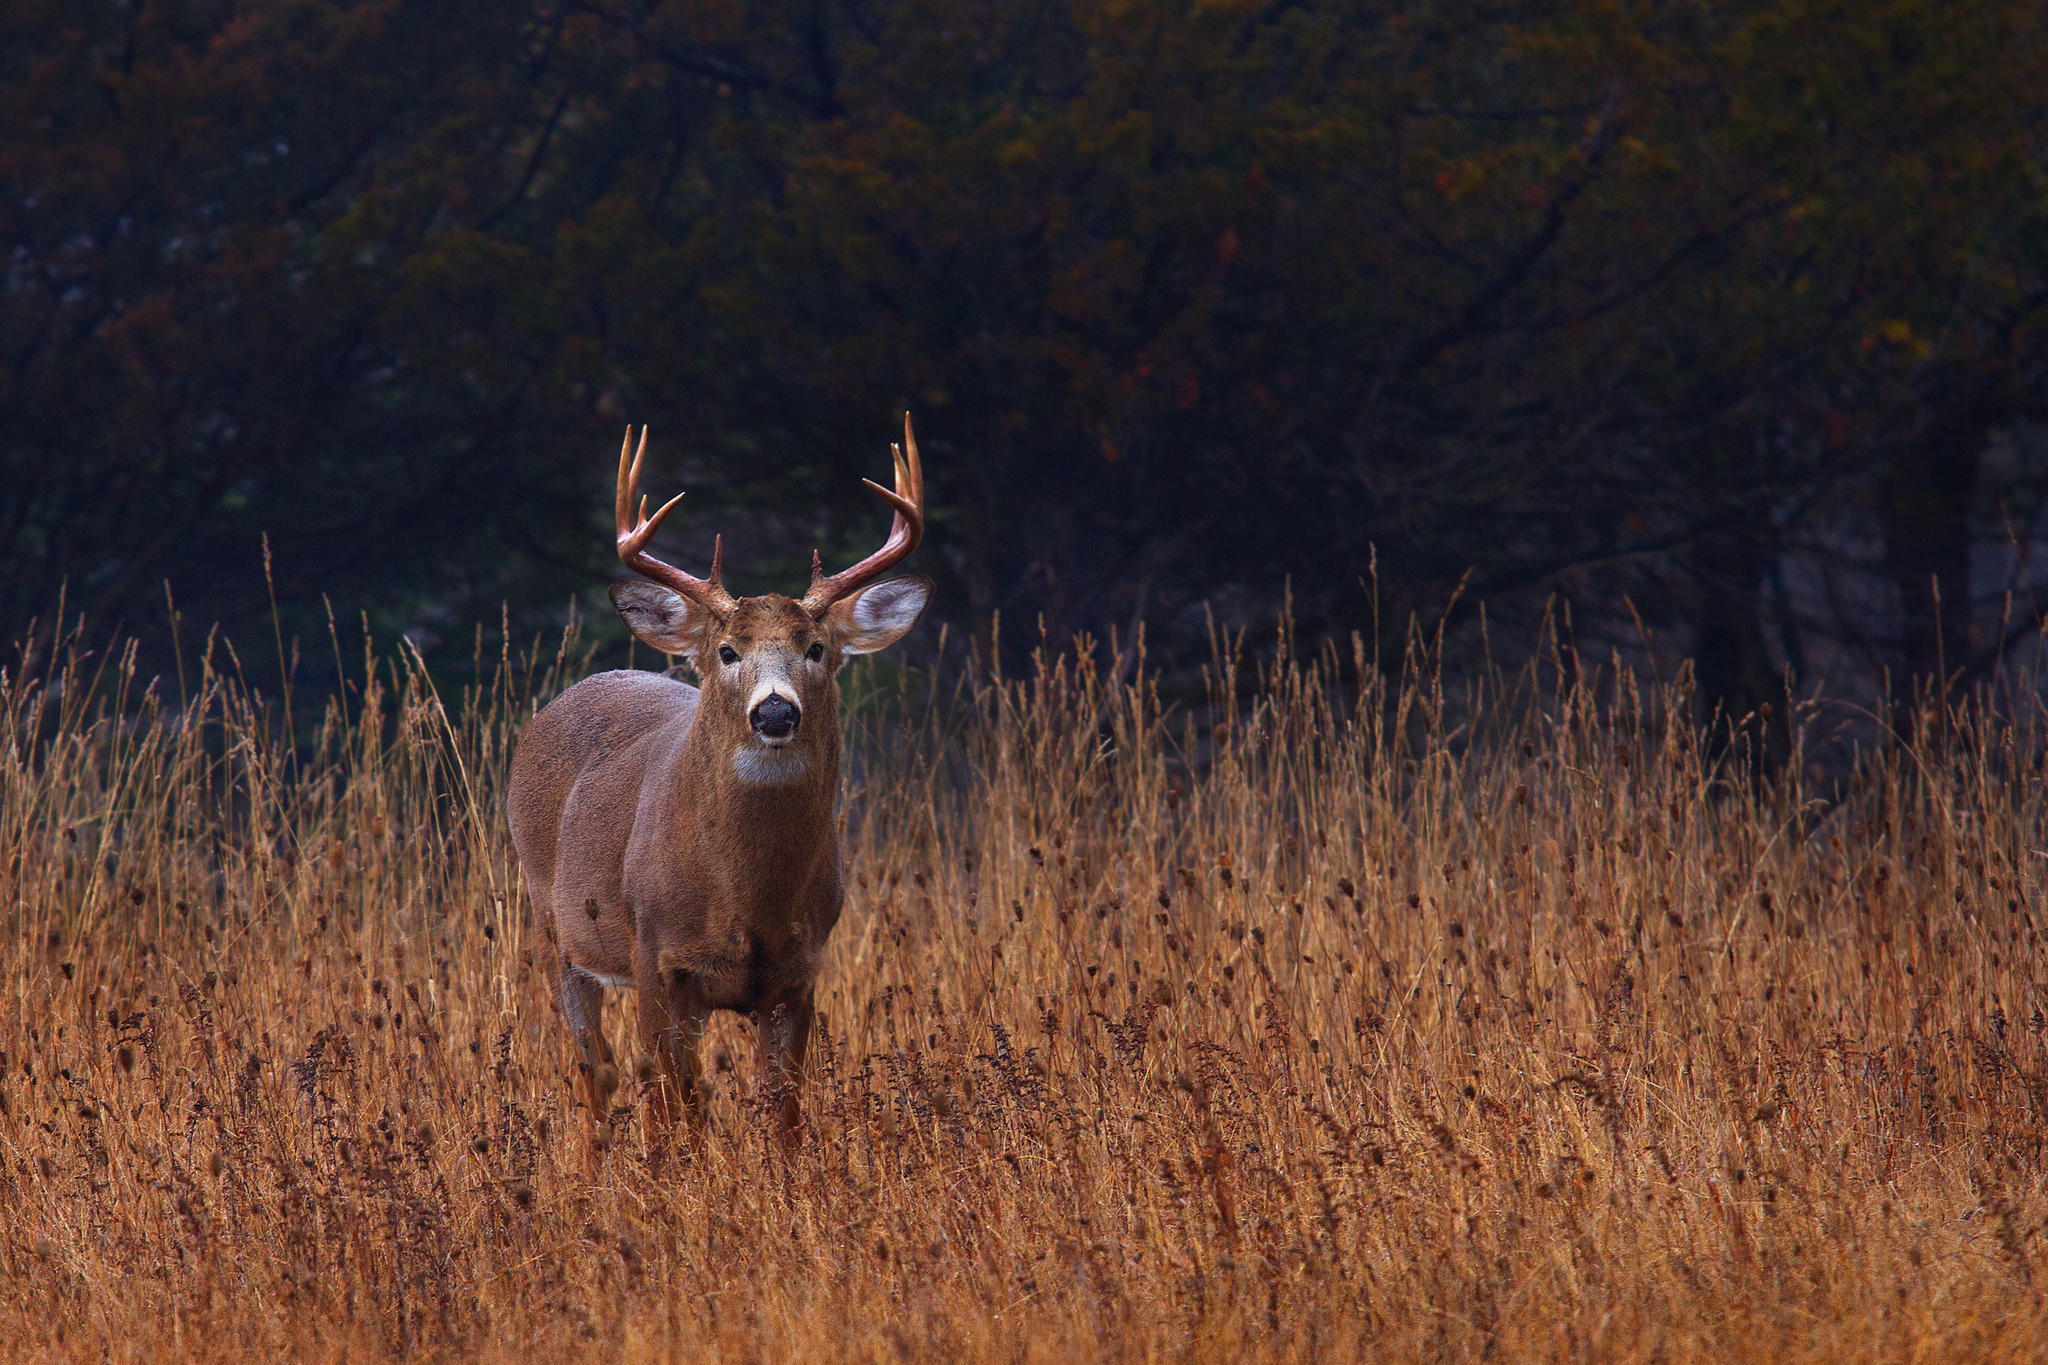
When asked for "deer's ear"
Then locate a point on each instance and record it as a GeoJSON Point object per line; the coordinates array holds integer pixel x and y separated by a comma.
{"type": "Point", "coordinates": [661, 618]}
{"type": "Point", "coordinates": [878, 615]}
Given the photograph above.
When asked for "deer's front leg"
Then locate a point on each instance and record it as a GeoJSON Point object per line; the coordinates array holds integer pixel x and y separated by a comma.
{"type": "Point", "coordinates": [581, 998]}
{"type": "Point", "coordinates": [785, 1035]}
{"type": "Point", "coordinates": [672, 1018]}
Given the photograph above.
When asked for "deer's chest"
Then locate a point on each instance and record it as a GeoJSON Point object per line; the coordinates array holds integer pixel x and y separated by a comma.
{"type": "Point", "coordinates": [741, 938]}
{"type": "Point", "coordinates": [742, 972]}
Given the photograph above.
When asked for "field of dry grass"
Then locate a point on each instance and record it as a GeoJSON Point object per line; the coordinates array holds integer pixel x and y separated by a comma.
{"type": "Point", "coordinates": [1507, 1026]}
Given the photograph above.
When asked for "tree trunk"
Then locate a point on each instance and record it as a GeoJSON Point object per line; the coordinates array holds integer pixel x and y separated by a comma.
{"type": "Point", "coordinates": [1741, 694]}
{"type": "Point", "coordinates": [1926, 505]}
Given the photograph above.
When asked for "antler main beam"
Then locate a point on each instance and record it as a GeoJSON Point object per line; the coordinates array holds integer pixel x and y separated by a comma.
{"type": "Point", "coordinates": [636, 529]}
{"type": "Point", "coordinates": [905, 530]}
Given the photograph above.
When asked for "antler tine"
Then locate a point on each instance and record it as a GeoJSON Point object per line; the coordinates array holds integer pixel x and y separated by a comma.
{"type": "Point", "coordinates": [629, 478]}
{"type": "Point", "coordinates": [636, 529]}
{"type": "Point", "coordinates": [906, 529]}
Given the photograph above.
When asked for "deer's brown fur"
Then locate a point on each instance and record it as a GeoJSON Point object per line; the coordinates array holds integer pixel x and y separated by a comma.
{"type": "Point", "coordinates": [675, 846]}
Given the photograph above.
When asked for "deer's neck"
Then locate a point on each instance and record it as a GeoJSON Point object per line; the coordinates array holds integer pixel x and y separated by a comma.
{"type": "Point", "coordinates": [757, 833]}
{"type": "Point", "coordinates": [731, 778]}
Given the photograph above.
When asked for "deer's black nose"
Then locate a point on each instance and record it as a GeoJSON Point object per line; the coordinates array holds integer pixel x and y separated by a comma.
{"type": "Point", "coordinates": [775, 717]}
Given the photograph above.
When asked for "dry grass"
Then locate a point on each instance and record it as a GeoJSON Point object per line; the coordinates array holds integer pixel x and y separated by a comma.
{"type": "Point", "coordinates": [1371, 1034]}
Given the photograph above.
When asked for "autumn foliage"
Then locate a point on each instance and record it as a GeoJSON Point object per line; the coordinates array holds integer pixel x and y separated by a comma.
{"type": "Point", "coordinates": [1634, 304]}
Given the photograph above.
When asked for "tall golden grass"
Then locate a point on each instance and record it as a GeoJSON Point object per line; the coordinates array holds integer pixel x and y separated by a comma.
{"type": "Point", "coordinates": [1355, 1021]}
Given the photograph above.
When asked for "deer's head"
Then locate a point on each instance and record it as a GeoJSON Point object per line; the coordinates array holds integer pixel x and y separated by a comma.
{"type": "Point", "coordinates": [770, 665]}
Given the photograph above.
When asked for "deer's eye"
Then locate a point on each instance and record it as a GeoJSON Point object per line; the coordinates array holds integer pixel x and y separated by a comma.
{"type": "Point", "coordinates": [816, 653]}
{"type": "Point", "coordinates": [726, 655]}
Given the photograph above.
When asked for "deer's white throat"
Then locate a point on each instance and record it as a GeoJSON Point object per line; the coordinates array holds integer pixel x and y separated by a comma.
{"type": "Point", "coordinates": [761, 766]}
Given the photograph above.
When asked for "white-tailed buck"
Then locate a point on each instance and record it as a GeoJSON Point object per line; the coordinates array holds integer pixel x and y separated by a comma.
{"type": "Point", "coordinates": [685, 841]}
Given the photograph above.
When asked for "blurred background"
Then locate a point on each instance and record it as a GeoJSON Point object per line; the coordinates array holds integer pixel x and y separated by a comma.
{"type": "Point", "coordinates": [1708, 331]}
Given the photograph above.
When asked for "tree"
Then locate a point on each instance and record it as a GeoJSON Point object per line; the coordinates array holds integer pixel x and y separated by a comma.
{"type": "Point", "coordinates": [1637, 304]}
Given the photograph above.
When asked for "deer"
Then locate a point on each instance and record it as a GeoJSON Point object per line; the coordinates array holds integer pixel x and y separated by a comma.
{"type": "Point", "coordinates": [684, 840]}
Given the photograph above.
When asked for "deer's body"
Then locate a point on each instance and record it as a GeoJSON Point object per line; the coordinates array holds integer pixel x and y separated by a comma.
{"type": "Point", "coordinates": [610, 764]}
{"type": "Point", "coordinates": [685, 841]}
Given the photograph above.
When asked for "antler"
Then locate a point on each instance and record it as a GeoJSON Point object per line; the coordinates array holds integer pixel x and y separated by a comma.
{"type": "Point", "coordinates": [637, 529]}
{"type": "Point", "coordinates": [904, 531]}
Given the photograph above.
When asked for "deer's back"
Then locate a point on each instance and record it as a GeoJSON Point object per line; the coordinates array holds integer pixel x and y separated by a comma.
{"type": "Point", "coordinates": [579, 765]}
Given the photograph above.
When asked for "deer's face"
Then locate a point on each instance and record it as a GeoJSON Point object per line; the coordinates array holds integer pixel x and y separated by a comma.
{"type": "Point", "coordinates": [768, 663]}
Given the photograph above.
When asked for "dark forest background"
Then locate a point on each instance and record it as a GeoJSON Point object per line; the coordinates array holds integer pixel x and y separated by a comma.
{"type": "Point", "coordinates": [1713, 326]}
